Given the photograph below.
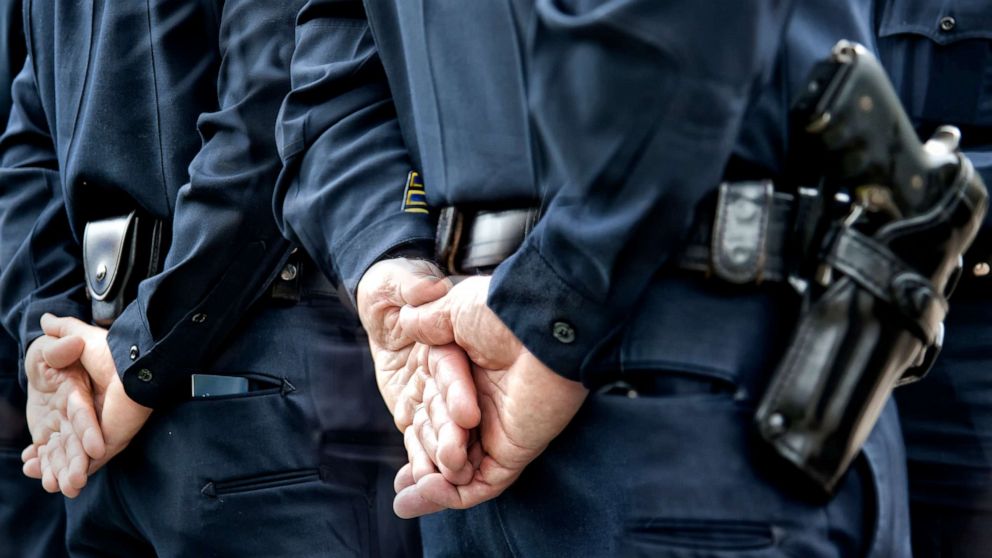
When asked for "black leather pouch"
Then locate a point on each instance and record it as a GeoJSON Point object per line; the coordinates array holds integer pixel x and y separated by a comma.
{"type": "Point", "coordinates": [118, 253]}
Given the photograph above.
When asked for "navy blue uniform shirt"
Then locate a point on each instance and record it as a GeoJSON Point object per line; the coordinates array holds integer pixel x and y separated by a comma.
{"type": "Point", "coordinates": [110, 121]}
{"type": "Point", "coordinates": [542, 103]}
{"type": "Point", "coordinates": [13, 429]}
{"type": "Point", "coordinates": [939, 55]}
{"type": "Point", "coordinates": [443, 91]}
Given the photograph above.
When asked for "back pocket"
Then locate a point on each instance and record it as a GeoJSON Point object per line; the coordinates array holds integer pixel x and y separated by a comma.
{"type": "Point", "coordinates": [702, 534]}
{"type": "Point", "coordinates": [216, 489]}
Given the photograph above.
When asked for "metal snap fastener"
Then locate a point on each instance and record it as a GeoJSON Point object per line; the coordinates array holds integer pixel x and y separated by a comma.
{"type": "Point", "coordinates": [145, 375]}
{"type": "Point", "coordinates": [776, 424]}
{"type": "Point", "coordinates": [981, 269]}
{"type": "Point", "coordinates": [101, 272]}
{"type": "Point", "coordinates": [199, 318]}
{"type": "Point", "coordinates": [948, 23]}
{"type": "Point", "coordinates": [288, 273]}
{"type": "Point", "coordinates": [133, 352]}
{"type": "Point", "coordinates": [563, 332]}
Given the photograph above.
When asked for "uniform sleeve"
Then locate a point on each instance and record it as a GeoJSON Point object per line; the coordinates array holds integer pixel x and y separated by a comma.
{"type": "Point", "coordinates": [226, 247]}
{"type": "Point", "coordinates": [41, 262]}
{"type": "Point", "coordinates": [341, 195]}
{"type": "Point", "coordinates": [636, 106]}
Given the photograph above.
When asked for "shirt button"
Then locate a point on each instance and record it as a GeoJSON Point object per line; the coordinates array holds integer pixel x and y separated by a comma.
{"type": "Point", "coordinates": [199, 318]}
{"type": "Point", "coordinates": [145, 375]}
{"type": "Point", "coordinates": [288, 273]}
{"type": "Point", "coordinates": [563, 332]}
{"type": "Point", "coordinates": [948, 23]}
{"type": "Point", "coordinates": [981, 269]}
{"type": "Point", "coordinates": [134, 352]}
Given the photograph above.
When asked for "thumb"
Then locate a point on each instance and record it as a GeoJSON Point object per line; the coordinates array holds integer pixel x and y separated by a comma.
{"type": "Point", "coordinates": [63, 352]}
{"type": "Point", "coordinates": [429, 323]}
{"type": "Point", "coordinates": [60, 327]}
{"type": "Point", "coordinates": [423, 283]}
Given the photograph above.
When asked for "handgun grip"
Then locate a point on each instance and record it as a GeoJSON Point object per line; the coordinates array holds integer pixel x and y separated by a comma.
{"type": "Point", "coordinates": [854, 121]}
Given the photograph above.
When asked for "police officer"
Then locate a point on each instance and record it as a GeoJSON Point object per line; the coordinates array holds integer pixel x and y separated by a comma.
{"type": "Point", "coordinates": [640, 109]}
{"type": "Point", "coordinates": [32, 523]}
{"type": "Point", "coordinates": [940, 58]}
{"type": "Point", "coordinates": [263, 440]}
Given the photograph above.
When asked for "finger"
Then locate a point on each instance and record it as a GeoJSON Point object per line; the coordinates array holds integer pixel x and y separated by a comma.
{"type": "Point", "coordinates": [410, 398]}
{"type": "Point", "coordinates": [32, 468]}
{"type": "Point", "coordinates": [409, 503]}
{"type": "Point", "coordinates": [48, 480]}
{"type": "Point", "coordinates": [77, 463]}
{"type": "Point", "coordinates": [419, 460]}
{"type": "Point", "coordinates": [450, 368]}
{"type": "Point", "coordinates": [32, 463]}
{"type": "Point", "coordinates": [425, 433]}
{"type": "Point", "coordinates": [435, 488]}
{"type": "Point", "coordinates": [82, 415]}
{"type": "Point", "coordinates": [72, 477]}
{"type": "Point", "coordinates": [63, 352]}
{"type": "Point", "coordinates": [61, 327]}
{"type": "Point", "coordinates": [30, 452]}
{"type": "Point", "coordinates": [57, 461]}
{"type": "Point", "coordinates": [404, 478]}
{"type": "Point", "coordinates": [429, 323]}
{"type": "Point", "coordinates": [425, 283]}
{"type": "Point", "coordinates": [446, 441]}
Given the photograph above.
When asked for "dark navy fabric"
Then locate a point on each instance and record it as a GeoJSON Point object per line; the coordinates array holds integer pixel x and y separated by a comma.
{"type": "Point", "coordinates": [121, 85]}
{"type": "Point", "coordinates": [169, 106]}
{"type": "Point", "coordinates": [939, 55]}
{"type": "Point", "coordinates": [32, 522]}
{"type": "Point", "coordinates": [248, 475]}
{"type": "Point", "coordinates": [617, 118]}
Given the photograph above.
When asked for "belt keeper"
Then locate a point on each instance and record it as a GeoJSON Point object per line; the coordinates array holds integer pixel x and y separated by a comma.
{"type": "Point", "coordinates": [450, 224]}
{"type": "Point", "coordinates": [740, 231]}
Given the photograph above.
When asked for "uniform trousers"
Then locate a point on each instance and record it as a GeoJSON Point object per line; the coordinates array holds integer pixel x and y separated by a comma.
{"type": "Point", "coordinates": [947, 421]}
{"type": "Point", "coordinates": [302, 466]}
{"type": "Point", "coordinates": [666, 464]}
{"type": "Point", "coordinates": [32, 522]}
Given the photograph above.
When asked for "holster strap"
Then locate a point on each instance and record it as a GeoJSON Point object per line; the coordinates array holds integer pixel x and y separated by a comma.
{"type": "Point", "coordinates": [879, 271]}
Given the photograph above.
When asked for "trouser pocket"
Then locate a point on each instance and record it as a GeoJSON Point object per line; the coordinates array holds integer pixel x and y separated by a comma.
{"type": "Point", "coordinates": [216, 489]}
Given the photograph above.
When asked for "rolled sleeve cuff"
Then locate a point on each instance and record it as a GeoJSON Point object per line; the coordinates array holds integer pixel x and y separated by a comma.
{"type": "Point", "coordinates": [150, 377]}
{"type": "Point", "coordinates": [556, 323]}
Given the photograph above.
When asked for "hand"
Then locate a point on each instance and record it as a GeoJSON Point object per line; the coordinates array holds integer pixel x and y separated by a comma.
{"type": "Point", "coordinates": [120, 417]}
{"type": "Point", "coordinates": [64, 430]}
{"type": "Point", "coordinates": [400, 363]}
{"type": "Point", "coordinates": [524, 404]}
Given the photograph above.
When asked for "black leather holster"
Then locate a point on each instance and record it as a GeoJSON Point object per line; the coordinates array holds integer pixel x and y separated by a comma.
{"type": "Point", "coordinates": [874, 313]}
{"type": "Point", "coordinates": [119, 253]}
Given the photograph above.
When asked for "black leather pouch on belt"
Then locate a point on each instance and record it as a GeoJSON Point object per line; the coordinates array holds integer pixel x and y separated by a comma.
{"type": "Point", "coordinates": [874, 316]}
{"type": "Point", "coordinates": [118, 253]}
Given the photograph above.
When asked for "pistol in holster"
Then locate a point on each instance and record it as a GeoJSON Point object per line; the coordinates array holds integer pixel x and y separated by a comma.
{"type": "Point", "coordinates": [878, 274]}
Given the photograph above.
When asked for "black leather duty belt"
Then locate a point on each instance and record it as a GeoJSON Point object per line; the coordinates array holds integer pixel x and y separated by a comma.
{"type": "Point", "coordinates": [745, 237]}
{"type": "Point", "coordinates": [476, 241]}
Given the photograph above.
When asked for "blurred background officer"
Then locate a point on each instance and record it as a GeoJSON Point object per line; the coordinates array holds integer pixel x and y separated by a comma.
{"type": "Point", "coordinates": [939, 55]}
{"type": "Point", "coordinates": [641, 108]}
{"type": "Point", "coordinates": [284, 448]}
{"type": "Point", "coordinates": [32, 523]}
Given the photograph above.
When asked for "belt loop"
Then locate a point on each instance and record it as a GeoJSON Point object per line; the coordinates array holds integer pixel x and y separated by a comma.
{"type": "Point", "coordinates": [450, 224]}
{"type": "Point", "coordinates": [740, 231]}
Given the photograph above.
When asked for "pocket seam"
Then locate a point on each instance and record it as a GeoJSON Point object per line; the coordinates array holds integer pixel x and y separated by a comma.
{"type": "Point", "coordinates": [231, 487]}
{"type": "Point", "coordinates": [702, 534]}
